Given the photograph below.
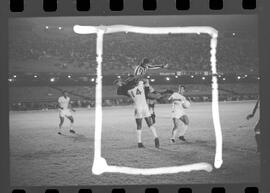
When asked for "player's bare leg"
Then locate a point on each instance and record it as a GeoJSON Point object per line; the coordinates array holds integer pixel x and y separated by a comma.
{"type": "Point", "coordinates": [71, 124]}
{"type": "Point", "coordinates": [184, 128]}
{"type": "Point", "coordinates": [258, 136]}
{"type": "Point", "coordinates": [60, 125]}
{"type": "Point", "coordinates": [139, 133]}
{"type": "Point", "coordinates": [153, 129]}
{"type": "Point", "coordinates": [174, 130]}
{"type": "Point", "coordinates": [258, 142]}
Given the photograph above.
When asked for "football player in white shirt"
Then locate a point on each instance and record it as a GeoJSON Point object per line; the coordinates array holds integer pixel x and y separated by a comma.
{"type": "Point", "coordinates": [138, 92]}
{"type": "Point", "coordinates": [179, 103]}
{"type": "Point", "coordinates": [64, 111]}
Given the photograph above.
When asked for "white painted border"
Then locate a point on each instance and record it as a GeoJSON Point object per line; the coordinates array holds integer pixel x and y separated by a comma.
{"type": "Point", "coordinates": [100, 165]}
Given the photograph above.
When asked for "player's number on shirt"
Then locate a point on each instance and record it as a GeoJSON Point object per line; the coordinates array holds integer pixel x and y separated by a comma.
{"type": "Point", "coordinates": [138, 92]}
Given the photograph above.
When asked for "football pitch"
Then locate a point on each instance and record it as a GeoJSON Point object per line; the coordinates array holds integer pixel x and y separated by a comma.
{"type": "Point", "coordinates": [38, 156]}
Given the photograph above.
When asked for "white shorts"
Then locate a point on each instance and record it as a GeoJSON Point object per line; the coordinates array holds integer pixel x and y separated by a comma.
{"type": "Point", "coordinates": [177, 114]}
{"type": "Point", "coordinates": [65, 113]}
{"type": "Point", "coordinates": [142, 113]}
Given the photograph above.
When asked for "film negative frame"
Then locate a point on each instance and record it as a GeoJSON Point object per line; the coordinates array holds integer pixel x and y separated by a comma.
{"type": "Point", "coordinates": [34, 8]}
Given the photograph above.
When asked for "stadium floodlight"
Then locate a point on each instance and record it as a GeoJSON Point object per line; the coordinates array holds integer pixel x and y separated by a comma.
{"type": "Point", "coordinates": [224, 78]}
{"type": "Point", "coordinates": [47, 27]}
{"type": "Point", "coordinates": [52, 79]}
{"type": "Point", "coordinates": [152, 80]}
{"type": "Point", "coordinates": [203, 78]}
{"type": "Point", "coordinates": [176, 76]}
{"type": "Point", "coordinates": [69, 76]}
{"type": "Point", "coordinates": [238, 77]}
{"type": "Point", "coordinates": [100, 164]}
{"type": "Point", "coordinates": [10, 79]}
{"type": "Point", "coordinates": [14, 76]}
{"type": "Point", "coordinates": [192, 76]}
{"type": "Point", "coordinates": [168, 78]}
{"type": "Point", "coordinates": [258, 78]}
{"type": "Point", "coordinates": [59, 28]}
{"type": "Point", "coordinates": [35, 76]}
{"type": "Point", "coordinates": [92, 79]}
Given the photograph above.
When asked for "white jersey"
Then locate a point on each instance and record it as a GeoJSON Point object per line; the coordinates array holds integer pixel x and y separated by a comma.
{"type": "Point", "coordinates": [177, 105]}
{"type": "Point", "coordinates": [63, 102]}
{"type": "Point", "coordinates": [138, 96]}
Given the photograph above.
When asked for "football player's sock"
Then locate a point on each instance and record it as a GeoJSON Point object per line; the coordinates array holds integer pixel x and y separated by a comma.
{"type": "Point", "coordinates": [139, 136]}
{"type": "Point", "coordinates": [60, 128]}
{"type": "Point", "coordinates": [174, 133]}
{"type": "Point", "coordinates": [183, 130]}
{"type": "Point", "coordinates": [154, 131]}
{"type": "Point", "coordinates": [59, 131]}
{"type": "Point", "coordinates": [71, 126]}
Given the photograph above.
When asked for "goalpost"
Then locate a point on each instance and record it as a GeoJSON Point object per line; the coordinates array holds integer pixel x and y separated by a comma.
{"type": "Point", "coordinates": [100, 165]}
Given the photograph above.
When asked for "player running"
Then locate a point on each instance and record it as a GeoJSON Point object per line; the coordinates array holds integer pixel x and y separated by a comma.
{"type": "Point", "coordinates": [138, 92]}
{"type": "Point", "coordinates": [257, 128]}
{"type": "Point", "coordinates": [179, 103]}
{"type": "Point", "coordinates": [64, 111]}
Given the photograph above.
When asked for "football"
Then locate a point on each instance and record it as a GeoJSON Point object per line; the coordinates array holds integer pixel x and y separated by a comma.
{"type": "Point", "coordinates": [186, 104]}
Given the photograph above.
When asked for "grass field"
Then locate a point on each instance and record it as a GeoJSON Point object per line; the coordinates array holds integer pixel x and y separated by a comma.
{"type": "Point", "coordinates": [39, 156]}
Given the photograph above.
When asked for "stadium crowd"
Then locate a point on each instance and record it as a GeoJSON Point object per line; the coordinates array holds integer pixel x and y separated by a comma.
{"type": "Point", "coordinates": [121, 51]}
{"type": "Point", "coordinates": [30, 52]}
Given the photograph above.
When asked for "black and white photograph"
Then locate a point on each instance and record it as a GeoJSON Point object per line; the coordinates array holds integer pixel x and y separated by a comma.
{"type": "Point", "coordinates": [133, 100]}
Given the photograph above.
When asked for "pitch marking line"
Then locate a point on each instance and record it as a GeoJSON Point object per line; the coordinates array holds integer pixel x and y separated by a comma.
{"type": "Point", "coordinates": [100, 165]}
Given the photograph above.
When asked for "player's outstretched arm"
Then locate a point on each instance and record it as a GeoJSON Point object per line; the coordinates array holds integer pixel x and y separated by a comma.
{"type": "Point", "coordinates": [156, 66]}
{"type": "Point", "coordinates": [154, 95]}
{"type": "Point", "coordinates": [254, 110]}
